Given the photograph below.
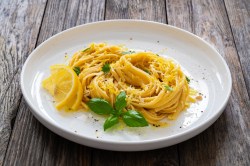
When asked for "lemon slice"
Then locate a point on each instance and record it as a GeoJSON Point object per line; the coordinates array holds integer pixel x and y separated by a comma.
{"type": "Point", "coordinates": [64, 86]}
{"type": "Point", "coordinates": [78, 98]}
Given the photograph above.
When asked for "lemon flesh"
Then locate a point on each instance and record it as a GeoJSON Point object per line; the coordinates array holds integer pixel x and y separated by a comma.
{"type": "Point", "coordinates": [64, 85]}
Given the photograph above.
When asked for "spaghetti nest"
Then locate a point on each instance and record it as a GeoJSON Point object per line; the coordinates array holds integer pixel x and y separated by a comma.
{"type": "Point", "coordinates": [155, 86]}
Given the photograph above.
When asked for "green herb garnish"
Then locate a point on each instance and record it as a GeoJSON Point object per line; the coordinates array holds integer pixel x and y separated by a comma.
{"type": "Point", "coordinates": [127, 52]}
{"type": "Point", "coordinates": [157, 54]}
{"type": "Point", "coordinates": [111, 121]}
{"type": "Point", "coordinates": [131, 118]}
{"type": "Point", "coordinates": [168, 88]}
{"type": "Point", "coordinates": [120, 102]}
{"type": "Point", "coordinates": [147, 71]}
{"type": "Point", "coordinates": [77, 70]}
{"type": "Point", "coordinates": [106, 68]}
{"type": "Point", "coordinates": [188, 80]}
{"type": "Point", "coordinates": [100, 106]}
{"type": "Point", "coordinates": [86, 49]}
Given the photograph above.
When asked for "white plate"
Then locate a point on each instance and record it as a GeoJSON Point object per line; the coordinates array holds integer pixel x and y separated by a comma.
{"type": "Point", "coordinates": [201, 62]}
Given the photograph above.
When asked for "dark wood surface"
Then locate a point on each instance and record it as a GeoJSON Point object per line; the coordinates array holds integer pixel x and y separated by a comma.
{"type": "Point", "coordinates": [225, 24]}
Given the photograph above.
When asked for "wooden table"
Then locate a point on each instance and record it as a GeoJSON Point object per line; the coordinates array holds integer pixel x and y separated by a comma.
{"type": "Point", "coordinates": [25, 24]}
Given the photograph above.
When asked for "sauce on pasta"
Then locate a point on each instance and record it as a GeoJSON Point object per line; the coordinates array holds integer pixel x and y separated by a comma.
{"type": "Point", "coordinates": [155, 86]}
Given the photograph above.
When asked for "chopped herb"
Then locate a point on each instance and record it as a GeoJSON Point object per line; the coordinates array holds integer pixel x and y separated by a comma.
{"type": "Point", "coordinates": [188, 80]}
{"type": "Point", "coordinates": [77, 70]}
{"type": "Point", "coordinates": [86, 49]}
{"type": "Point", "coordinates": [106, 68]}
{"type": "Point", "coordinates": [168, 88]}
{"type": "Point", "coordinates": [157, 54]}
{"type": "Point", "coordinates": [147, 71]}
{"type": "Point", "coordinates": [127, 52]}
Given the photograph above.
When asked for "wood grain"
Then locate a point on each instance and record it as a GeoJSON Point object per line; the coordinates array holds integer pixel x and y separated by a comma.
{"type": "Point", "coordinates": [162, 157]}
{"type": "Point", "coordinates": [227, 141]}
{"type": "Point", "coordinates": [239, 17]}
{"type": "Point", "coordinates": [146, 10]}
{"type": "Point", "coordinates": [27, 141]}
{"type": "Point", "coordinates": [19, 29]}
{"type": "Point", "coordinates": [29, 137]}
{"type": "Point", "coordinates": [24, 141]}
{"type": "Point", "coordinates": [153, 10]}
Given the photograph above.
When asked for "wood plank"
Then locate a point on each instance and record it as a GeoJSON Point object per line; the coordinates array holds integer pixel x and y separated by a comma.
{"type": "Point", "coordinates": [59, 151]}
{"type": "Point", "coordinates": [146, 10]}
{"type": "Point", "coordinates": [153, 10]}
{"type": "Point", "coordinates": [29, 137]}
{"type": "Point", "coordinates": [27, 141]}
{"type": "Point", "coordinates": [18, 34]}
{"type": "Point", "coordinates": [239, 14]}
{"type": "Point", "coordinates": [227, 141]}
{"type": "Point", "coordinates": [165, 156]}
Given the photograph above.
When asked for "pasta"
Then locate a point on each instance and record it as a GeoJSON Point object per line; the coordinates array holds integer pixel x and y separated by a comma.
{"type": "Point", "coordinates": [155, 86]}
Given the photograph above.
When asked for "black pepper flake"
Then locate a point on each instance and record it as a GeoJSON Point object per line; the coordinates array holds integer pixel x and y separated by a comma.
{"type": "Point", "coordinates": [180, 127]}
{"type": "Point", "coordinates": [96, 130]}
{"type": "Point", "coordinates": [158, 41]}
{"type": "Point", "coordinates": [155, 125]}
{"type": "Point", "coordinates": [131, 38]}
{"type": "Point", "coordinates": [201, 111]}
{"type": "Point", "coordinates": [75, 131]}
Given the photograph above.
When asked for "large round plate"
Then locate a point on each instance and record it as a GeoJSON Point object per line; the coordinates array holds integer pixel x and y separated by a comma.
{"type": "Point", "coordinates": [208, 71]}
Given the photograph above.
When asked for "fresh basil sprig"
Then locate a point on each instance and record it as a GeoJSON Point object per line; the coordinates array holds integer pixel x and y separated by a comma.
{"type": "Point", "coordinates": [131, 118]}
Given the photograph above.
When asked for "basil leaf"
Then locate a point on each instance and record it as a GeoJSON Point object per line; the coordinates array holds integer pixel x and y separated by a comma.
{"type": "Point", "coordinates": [77, 70]}
{"type": "Point", "coordinates": [86, 49]}
{"type": "Point", "coordinates": [120, 101]}
{"type": "Point", "coordinates": [188, 80]}
{"type": "Point", "coordinates": [127, 52]}
{"type": "Point", "coordinates": [111, 121]}
{"type": "Point", "coordinates": [100, 106]}
{"type": "Point", "coordinates": [106, 68]}
{"type": "Point", "coordinates": [133, 118]}
{"type": "Point", "coordinates": [168, 88]}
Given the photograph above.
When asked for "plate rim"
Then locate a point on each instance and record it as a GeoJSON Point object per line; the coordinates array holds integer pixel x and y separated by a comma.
{"type": "Point", "coordinates": [184, 135]}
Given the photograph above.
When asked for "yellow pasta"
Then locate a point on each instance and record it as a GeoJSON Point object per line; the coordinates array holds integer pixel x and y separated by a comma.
{"type": "Point", "coordinates": [155, 86]}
